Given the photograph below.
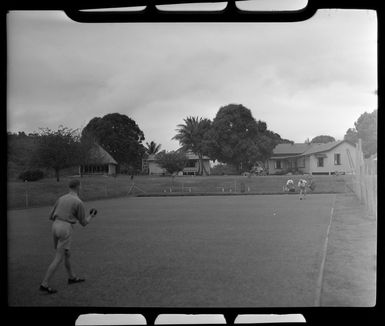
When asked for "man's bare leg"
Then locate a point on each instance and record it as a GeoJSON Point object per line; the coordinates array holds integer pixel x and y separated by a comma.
{"type": "Point", "coordinates": [53, 267]}
{"type": "Point", "coordinates": [67, 263]}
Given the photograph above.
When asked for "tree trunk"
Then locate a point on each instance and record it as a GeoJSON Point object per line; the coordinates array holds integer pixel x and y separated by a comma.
{"type": "Point", "coordinates": [205, 171]}
{"type": "Point", "coordinates": [202, 169]}
{"type": "Point", "coordinates": [57, 175]}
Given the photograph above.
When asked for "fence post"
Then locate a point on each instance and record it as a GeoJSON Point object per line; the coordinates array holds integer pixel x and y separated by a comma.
{"type": "Point", "coordinates": [26, 194]}
{"type": "Point", "coordinates": [365, 177]}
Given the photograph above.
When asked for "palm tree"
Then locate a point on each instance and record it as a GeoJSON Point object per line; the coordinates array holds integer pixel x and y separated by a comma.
{"type": "Point", "coordinates": [192, 135]}
{"type": "Point", "coordinates": [152, 148]}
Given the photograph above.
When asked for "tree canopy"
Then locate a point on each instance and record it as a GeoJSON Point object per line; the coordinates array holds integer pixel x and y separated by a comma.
{"type": "Point", "coordinates": [365, 128]}
{"type": "Point", "coordinates": [57, 149]}
{"type": "Point", "coordinates": [173, 161]}
{"type": "Point", "coordinates": [322, 139]}
{"type": "Point", "coordinates": [152, 148]}
{"type": "Point", "coordinates": [237, 138]}
{"type": "Point", "coordinates": [120, 136]}
{"type": "Point", "coordinates": [21, 148]}
{"type": "Point", "coordinates": [193, 136]}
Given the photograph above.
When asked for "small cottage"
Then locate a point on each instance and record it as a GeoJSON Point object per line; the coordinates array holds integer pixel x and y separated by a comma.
{"type": "Point", "coordinates": [312, 158]}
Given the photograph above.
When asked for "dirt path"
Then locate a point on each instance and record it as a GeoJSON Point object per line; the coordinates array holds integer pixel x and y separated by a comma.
{"type": "Point", "coordinates": [350, 267]}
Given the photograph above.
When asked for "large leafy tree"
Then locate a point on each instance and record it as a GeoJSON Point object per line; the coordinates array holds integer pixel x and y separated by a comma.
{"type": "Point", "coordinates": [57, 149]}
{"type": "Point", "coordinates": [173, 161]}
{"type": "Point", "coordinates": [193, 135]}
{"type": "Point", "coordinates": [236, 138]}
{"type": "Point", "coordinates": [120, 136]}
{"type": "Point", "coordinates": [365, 128]}
{"type": "Point", "coordinates": [20, 150]}
{"type": "Point", "coordinates": [322, 139]}
{"type": "Point", "coordinates": [276, 138]}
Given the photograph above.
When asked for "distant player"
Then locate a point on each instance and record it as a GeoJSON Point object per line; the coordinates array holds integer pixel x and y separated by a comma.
{"type": "Point", "coordinates": [68, 210]}
{"type": "Point", "coordinates": [289, 187]}
{"type": "Point", "coordinates": [302, 188]}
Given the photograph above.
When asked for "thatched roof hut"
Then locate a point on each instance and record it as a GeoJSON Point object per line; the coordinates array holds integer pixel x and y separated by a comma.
{"type": "Point", "coordinates": [99, 161]}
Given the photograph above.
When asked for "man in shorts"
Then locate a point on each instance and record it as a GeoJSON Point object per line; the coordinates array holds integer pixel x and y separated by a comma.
{"type": "Point", "coordinates": [67, 211]}
{"type": "Point", "coordinates": [302, 188]}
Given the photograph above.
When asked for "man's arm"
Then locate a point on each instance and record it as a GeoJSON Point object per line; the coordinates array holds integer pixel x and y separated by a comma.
{"type": "Point", "coordinates": [52, 212]}
{"type": "Point", "coordinates": [83, 219]}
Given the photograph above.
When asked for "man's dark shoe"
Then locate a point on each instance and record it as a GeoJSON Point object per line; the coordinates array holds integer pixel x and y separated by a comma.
{"type": "Point", "coordinates": [75, 280]}
{"type": "Point", "coordinates": [47, 289]}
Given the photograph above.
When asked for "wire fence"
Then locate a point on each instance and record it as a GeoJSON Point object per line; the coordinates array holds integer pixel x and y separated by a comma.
{"type": "Point", "coordinates": [46, 191]}
{"type": "Point", "coordinates": [365, 179]}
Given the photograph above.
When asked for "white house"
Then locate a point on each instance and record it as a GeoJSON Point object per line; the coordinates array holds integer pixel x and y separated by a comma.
{"type": "Point", "coordinates": [329, 158]}
{"type": "Point", "coordinates": [150, 166]}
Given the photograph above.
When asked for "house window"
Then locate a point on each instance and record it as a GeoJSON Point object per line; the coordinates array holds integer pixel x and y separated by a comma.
{"type": "Point", "coordinates": [190, 164]}
{"type": "Point", "coordinates": [301, 163]}
{"type": "Point", "coordinates": [337, 159]}
{"type": "Point", "coordinates": [278, 164]}
{"type": "Point", "coordinates": [320, 161]}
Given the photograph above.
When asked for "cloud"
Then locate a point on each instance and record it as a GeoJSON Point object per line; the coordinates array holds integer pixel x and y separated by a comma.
{"type": "Point", "coordinates": [62, 72]}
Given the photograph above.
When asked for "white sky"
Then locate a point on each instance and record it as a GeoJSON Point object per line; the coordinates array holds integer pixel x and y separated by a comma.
{"type": "Point", "coordinates": [303, 79]}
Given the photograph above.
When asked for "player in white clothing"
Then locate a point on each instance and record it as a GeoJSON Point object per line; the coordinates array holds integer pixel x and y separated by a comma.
{"type": "Point", "coordinates": [289, 186]}
{"type": "Point", "coordinates": [302, 188]}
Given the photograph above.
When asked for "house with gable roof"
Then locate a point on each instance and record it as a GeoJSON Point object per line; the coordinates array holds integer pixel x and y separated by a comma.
{"type": "Point", "coordinates": [312, 158]}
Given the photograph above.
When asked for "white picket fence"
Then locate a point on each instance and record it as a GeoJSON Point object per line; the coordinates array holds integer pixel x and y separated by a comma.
{"type": "Point", "coordinates": [365, 179]}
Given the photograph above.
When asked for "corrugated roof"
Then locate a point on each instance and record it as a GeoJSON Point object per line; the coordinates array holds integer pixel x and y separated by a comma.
{"type": "Point", "coordinates": [299, 149]}
{"type": "Point", "coordinates": [317, 148]}
{"type": "Point", "coordinates": [98, 155]}
{"type": "Point", "coordinates": [287, 149]}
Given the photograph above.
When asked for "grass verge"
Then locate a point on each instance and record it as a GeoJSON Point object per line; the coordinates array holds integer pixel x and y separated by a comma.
{"type": "Point", "coordinates": [45, 192]}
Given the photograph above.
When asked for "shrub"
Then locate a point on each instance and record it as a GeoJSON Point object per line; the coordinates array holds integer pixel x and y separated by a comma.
{"type": "Point", "coordinates": [31, 175]}
{"type": "Point", "coordinates": [223, 169]}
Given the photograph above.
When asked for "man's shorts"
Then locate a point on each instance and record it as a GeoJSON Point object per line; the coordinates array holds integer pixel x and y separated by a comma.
{"type": "Point", "coordinates": [62, 234]}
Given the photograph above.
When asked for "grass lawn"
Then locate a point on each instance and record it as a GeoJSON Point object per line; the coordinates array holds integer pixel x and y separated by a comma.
{"type": "Point", "coordinates": [201, 251]}
{"type": "Point", "coordinates": [46, 191]}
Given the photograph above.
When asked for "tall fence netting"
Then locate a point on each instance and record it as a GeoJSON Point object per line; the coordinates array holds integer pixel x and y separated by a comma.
{"type": "Point", "coordinates": [364, 179]}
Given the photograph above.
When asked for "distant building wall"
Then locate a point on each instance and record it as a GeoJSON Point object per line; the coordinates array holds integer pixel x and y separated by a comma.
{"type": "Point", "coordinates": [192, 170]}
{"type": "Point", "coordinates": [111, 169]}
{"type": "Point", "coordinates": [154, 168]}
{"type": "Point", "coordinates": [330, 165]}
{"type": "Point", "coordinates": [334, 160]}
